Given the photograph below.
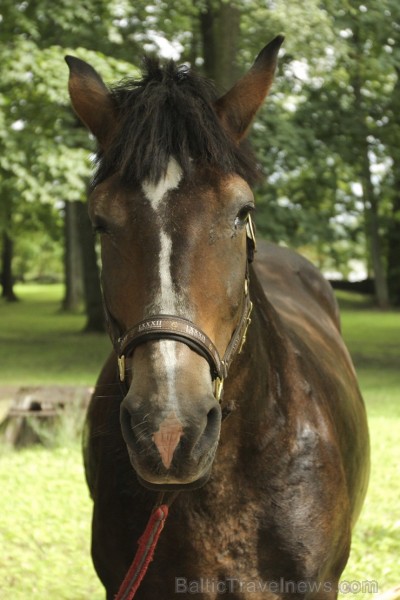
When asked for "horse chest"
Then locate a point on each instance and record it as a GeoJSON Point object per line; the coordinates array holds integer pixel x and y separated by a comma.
{"type": "Point", "coordinates": [217, 527]}
{"type": "Point", "coordinates": [217, 544]}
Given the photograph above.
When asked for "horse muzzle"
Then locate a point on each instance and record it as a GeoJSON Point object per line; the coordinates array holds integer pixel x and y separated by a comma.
{"type": "Point", "coordinates": [167, 450]}
{"type": "Point", "coordinates": [170, 418]}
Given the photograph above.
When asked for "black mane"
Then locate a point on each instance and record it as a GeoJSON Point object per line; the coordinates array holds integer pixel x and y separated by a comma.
{"type": "Point", "coordinates": [169, 112]}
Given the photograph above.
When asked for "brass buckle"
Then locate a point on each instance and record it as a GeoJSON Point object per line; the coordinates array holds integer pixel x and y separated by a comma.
{"type": "Point", "coordinates": [218, 388]}
{"type": "Point", "coordinates": [121, 367]}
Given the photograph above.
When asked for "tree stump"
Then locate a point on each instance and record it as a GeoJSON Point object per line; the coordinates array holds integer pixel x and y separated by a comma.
{"type": "Point", "coordinates": [34, 413]}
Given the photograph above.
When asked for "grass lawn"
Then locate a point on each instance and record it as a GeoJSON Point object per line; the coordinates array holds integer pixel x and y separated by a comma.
{"type": "Point", "coordinates": [45, 516]}
{"type": "Point", "coordinates": [373, 338]}
{"type": "Point", "coordinates": [45, 526]}
{"type": "Point", "coordinates": [39, 344]}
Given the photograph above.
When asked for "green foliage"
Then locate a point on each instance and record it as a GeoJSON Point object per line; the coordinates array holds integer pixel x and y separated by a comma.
{"type": "Point", "coordinates": [335, 95]}
{"type": "Point", "coordinates": [307, 138]}
{"type": "Point", "coordinates": [44, 151]}
{"type": "Point", "coordinates": [38, 258]}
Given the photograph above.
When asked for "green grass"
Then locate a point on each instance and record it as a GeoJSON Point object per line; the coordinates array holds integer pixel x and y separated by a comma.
{"type": "Point", "coordinates": [39, 344]}
{"type": "Point", "coordinates": [45, 522]}
{"type": "Point", "coordinates": [45, 527]}
{"type": "Point", "coordinates": [373, 338]}
{"type": "Point", "coordinates": [376, 539]}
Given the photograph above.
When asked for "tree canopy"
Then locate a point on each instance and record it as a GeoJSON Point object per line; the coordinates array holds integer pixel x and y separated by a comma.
{"type": "Point", "coordinates": [328, 138]}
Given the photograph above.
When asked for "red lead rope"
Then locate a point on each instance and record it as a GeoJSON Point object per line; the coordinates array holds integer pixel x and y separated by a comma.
{"type": "Point", "coordinates": [144, 555]}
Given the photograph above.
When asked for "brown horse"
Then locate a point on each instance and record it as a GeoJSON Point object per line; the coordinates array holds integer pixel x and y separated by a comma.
{"type": "Point", "coordinates": [269, 495]}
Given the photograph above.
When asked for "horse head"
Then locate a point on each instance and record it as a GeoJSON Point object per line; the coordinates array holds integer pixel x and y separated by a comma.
{"type": "Point", "coordinates": [171, 201]}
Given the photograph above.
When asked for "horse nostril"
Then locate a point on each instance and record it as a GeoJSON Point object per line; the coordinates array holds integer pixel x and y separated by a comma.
{"type": "Point", "coordinates": [128, 426]}
{"type": "Point", "coordinates": [210, 435]}
{"type": "Point", "coordinates": [213, 423]}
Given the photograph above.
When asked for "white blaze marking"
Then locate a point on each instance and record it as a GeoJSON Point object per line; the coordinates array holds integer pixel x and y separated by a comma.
{"type": "Point", "coordinates": [155, 192]}
{"type": "Point", "coordinates": [168, 353]}
{"type": "Point", "coordinates": [166, 301]}
{"type": "Point", "coordinates": [167, 297]}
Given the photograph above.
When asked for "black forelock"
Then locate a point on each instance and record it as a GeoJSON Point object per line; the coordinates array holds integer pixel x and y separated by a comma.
{"type": "Point", "coordinates": [169, 113]}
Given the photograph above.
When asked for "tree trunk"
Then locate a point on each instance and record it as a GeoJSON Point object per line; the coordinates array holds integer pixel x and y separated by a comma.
{"type": "Point", "coordinates": [370, 199]}
{"type": "Point", "coordinates": [372, 229]}
{"type": "Point", "coordinates": [393, 237]}
{"type": "Point", "coordinates": [72, 260]}
{"type": "Point", "coordinates": [394, 244]}
{"type": "Point", "coordinates": [220, 32]}
{"type": "Point", "coordinates": [7, 280]}
{"type": "Point", "coordinates": [91, 276]}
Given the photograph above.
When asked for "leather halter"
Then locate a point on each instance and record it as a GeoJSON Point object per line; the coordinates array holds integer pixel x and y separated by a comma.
{"type": "Point", "coordinates": [171, 327]}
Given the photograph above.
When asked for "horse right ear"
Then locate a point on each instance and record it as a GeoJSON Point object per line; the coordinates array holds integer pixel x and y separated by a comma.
{"type": "Point", "coordinates": [238, 107]}
{"type": "Point", "coordinates": [91, 99]}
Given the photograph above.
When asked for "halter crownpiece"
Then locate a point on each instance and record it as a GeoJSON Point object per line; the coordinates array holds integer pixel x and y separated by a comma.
{"type": "Point", "coordinates": [183, 330]}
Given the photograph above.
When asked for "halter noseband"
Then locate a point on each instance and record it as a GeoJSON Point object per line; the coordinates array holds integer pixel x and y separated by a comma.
{"type": "Point", "coordinates": [158, 327]}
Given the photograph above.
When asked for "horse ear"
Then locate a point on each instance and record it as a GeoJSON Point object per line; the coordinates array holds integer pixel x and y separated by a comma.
{"type": "Point", "coordinates": [237, 108]}
{"type": "Point", "coordinates": [91, 99]}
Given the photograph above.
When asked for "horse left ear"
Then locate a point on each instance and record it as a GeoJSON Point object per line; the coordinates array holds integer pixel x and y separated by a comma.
{"type": "Point", "coordinates": [238, 107]}
{"type": "Point", "coordinates": [91, 99]}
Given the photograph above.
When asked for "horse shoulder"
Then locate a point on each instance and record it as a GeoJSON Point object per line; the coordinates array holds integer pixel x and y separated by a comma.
{"type": "Point", "coordinates": [326, 398]}
{"type": "Point", "coordinates": [284, 272]}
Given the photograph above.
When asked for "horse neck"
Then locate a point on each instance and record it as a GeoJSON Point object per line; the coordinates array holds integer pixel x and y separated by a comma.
{"type": "Point", "coordinates": [257, 384]}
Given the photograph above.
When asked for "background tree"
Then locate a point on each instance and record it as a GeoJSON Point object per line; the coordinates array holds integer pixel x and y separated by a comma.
{"type": "Point", "coordinates": [335, 133]}
{"type": "Point", "coordinates": [43, 154]}
{"type": "Point", "coordinates": [391, 137]}
{"type": "Point", "coordinates": [327, 139]}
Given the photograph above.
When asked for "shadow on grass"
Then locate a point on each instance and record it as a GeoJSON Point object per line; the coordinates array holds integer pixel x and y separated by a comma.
{"type": "Point", "coordinates": [355, 301]}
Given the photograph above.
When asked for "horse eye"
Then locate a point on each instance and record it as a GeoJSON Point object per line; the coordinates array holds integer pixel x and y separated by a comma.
{"type": "Point", "coordinates": [243, 215]}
